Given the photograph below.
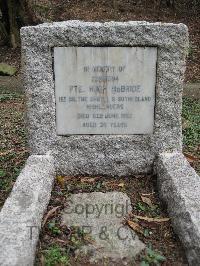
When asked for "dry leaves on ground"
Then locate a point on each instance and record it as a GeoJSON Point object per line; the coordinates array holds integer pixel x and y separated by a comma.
{"type": "Point", "coordinates": [49, 214]}
{"type": "Point", "coordinates": [147, 201]}
{"type": "Point", "coordinates": [135, 226]}
{"type": "Point", "coordinates": [149, 219]}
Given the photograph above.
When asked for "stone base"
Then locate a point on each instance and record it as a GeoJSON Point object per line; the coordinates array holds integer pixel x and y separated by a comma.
{"type": "Point", "coordinates": [179, 187]}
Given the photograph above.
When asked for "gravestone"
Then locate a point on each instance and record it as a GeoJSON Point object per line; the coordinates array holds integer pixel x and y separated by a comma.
{"type": "Point", "coordinates": [102, 99]}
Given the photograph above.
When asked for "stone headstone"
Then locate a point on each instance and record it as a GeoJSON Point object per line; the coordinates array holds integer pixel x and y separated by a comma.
{"type": "Point", "coordinates": [104, 98]}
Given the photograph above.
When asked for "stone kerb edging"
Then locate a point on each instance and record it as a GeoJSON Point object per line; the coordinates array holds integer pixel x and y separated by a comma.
{"type": "Point", "coordinates": [179, 188]}
{"type": "Point", "coordinates": [22, 213]}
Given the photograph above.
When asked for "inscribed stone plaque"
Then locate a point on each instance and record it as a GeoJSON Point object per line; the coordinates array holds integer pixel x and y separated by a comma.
{"type": "Point", "coordinates": [105, 90]}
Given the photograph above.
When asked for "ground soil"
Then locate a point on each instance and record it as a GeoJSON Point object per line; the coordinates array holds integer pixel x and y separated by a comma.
{"type": "Point", "coordinates": [11, 56]}
{"type": "Point", "coordinates": [13, 146]}
{"type": "Point", "coordinates": [158, 234]}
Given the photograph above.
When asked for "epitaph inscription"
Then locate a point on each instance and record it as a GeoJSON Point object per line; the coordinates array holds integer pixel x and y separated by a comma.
{"type": "Point", "coordinates": [105, 90]}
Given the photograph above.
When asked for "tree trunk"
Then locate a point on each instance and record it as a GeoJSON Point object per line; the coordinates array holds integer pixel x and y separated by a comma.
{"type": "Point", "coordinates": [13, 13]}
{"type": "Point", "coordinates": [14, 30]}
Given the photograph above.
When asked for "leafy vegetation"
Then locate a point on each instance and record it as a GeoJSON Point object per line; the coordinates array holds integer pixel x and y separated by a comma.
{"type": "Point", "coordinates": [56, 255]}
{"type": "Point", "coordinates": [9, 96]}
{"type": "Point", "coordinates": [191, 124]}
{"type": "Point", "coordinates": [152, 257]}
{"type": "Point", "coordinates": [52, 226]}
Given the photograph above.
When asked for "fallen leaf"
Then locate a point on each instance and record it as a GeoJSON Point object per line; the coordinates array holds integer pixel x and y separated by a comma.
{"type": "Point", "coordinates": [49, 214]}
{"type": "Point", "coordinates": [111, 184]}
{"type": "Point", "coordinates": [167, 234]}
{"type": "Point", "coordinates": [147, 201]}
{"type": "Point", "coordinates": [61, 241]}
{"type": "Point", "coordinates": [89, 240]}
{"type": "Point", "coordinates": [88, 180]}
{"type": "Point", "coordinates": [61, 180]}
{"type": "Point", "coordinates": [135, 226]}
{"type": "Point", "coordinates": [6, 153]}
{"type": "Point", "coordinates": [42, 260]}
{"type": "Point", "coordinates": [121, 185]}
{"type": "Point", "coordinates": [185, 123]}
{"type": "Point", "coordinates": [149, 219]}
{"type": "Point", "coordinates": [147, 194]}
{"type": "Point", "coordinates": [190, 157]}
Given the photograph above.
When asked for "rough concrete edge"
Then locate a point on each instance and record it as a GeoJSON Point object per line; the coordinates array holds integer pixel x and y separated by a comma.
{"type": "Point", "coordinates": [22, 213]}
{"type": "Point", "coordinates": [179, 188]}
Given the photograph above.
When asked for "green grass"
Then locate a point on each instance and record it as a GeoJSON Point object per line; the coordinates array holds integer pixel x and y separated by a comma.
{"type": "Point", "coordinates": [56, 255]}
{"type": "Point", "coordinates": [9, 96]}
{"type": "Point", "coordinates": [191, 124]}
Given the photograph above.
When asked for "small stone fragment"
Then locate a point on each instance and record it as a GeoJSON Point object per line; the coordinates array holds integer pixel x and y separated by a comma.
{"type": "Point", "coordinates": [101, 216]}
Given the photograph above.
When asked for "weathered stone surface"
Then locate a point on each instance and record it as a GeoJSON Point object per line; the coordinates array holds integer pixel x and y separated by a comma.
{"type": "Point", "coordinates": [109, 154]}
{"type": "Point", "coordinates": [22, 213]}
{"type": "Point", "coordinates": [101, 216]}
{"type": "Point", "coordinates": [179, 187]}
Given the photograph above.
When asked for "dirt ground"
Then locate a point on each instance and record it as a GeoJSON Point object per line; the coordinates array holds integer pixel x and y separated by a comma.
{"type": "Point", "coordinates": [142, 191]}
{"type": "Point", "coordinates": [13, 145]}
